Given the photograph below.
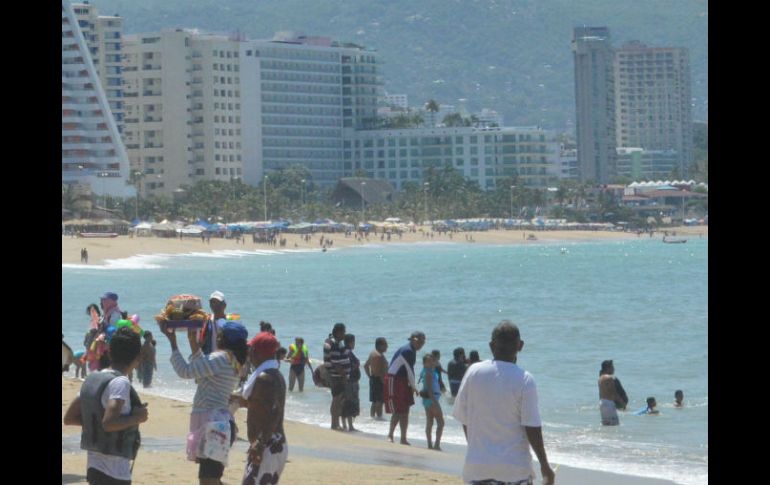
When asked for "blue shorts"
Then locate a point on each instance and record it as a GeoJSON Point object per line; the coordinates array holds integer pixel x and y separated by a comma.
{"type": "Point", "coordinates": [427, 403]}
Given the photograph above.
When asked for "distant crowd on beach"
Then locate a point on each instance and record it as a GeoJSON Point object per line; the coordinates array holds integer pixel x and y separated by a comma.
{"type": "Point", "coordinates": [495, 400]}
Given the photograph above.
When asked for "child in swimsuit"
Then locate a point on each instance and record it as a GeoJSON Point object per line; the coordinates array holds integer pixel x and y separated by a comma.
{"type": "Point", "coordinates": [429, 376]}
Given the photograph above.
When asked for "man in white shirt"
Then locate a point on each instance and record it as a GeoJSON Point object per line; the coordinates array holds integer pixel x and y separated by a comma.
{"type": "Point", "coordinates": [207, 336]}
{"type": "Point", "coordinates": [497, 405]}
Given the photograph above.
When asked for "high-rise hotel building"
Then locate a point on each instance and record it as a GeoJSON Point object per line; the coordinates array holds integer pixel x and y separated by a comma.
{"type": "Point", "coordinates": [595, 104]}
{"type": "Point", "coordinates": [307, 97]}
{"type": "Point", "coordinates": [653, 100]}
{"type": "Point", "coordinates": [632, 97]}
{"type": "Point", "coordinates": [104, 37]}
{"type": "Point", "coordinates": [92, 150]}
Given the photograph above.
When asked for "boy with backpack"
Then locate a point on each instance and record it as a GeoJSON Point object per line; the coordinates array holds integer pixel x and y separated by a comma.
{"type": "Point", "coordinates": [109, 411]}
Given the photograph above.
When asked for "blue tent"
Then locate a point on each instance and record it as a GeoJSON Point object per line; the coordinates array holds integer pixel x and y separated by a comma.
{"type": "Point", "coordinates": [203, 223]}
{"type": "Point", "coordinates": [277, 225]}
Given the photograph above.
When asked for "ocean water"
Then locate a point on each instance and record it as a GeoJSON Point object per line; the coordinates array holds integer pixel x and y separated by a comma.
{"type": "Point", "coordinates": [638, 302]}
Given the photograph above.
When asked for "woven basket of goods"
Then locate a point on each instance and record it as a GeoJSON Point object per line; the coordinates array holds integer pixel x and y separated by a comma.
{"type": "Point", "coordinates": [182, 311]}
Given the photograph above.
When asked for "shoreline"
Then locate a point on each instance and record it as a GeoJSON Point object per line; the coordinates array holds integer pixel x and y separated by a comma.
{"type": "Point", "coordinates": [317, 455]}
{"type": "Point", "coordinates": [122, 247]}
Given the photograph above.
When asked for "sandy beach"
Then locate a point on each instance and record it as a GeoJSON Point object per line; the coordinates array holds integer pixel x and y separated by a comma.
{"type": "Point", "coordinates": [316, 455]}
{"type": "Point", "coordinates": [120, 247]}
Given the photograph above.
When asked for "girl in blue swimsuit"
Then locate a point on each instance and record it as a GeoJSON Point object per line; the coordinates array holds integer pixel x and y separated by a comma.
{"type": "Point", "coordinates": [430, 388]}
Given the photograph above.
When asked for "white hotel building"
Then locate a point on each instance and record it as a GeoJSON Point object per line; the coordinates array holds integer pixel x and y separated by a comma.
{"type": "Point", "coordinates": [92, 150]}
{"type": "Point", "coordinates": [306, 95]}
{"type": "Point", "coordinates": [485, 155]}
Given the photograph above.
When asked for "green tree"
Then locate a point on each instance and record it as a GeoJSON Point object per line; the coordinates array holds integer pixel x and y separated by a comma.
{"type": "Point", "coordinates": [700, 166]}
{"type": "Point", "coordinates": [455, 119]}
{"type": "Point", "coordinates": [432, 107]}
{"type": "Point", "coordinates": [68, 198]}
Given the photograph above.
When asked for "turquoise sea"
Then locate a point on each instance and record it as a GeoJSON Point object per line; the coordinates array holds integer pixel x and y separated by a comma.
{"type": "Point", "coordinates": [639, 302]}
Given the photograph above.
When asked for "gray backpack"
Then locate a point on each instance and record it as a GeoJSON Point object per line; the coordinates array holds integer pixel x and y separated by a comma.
{"type": "Point", "coordinates": [124, 443]}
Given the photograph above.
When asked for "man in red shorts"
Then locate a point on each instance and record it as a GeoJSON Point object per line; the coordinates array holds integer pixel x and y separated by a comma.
{"type": "Point", "coordinates": [399, 385]}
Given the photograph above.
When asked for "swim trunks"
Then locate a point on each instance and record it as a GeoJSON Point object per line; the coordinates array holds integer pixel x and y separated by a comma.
{"type": "Point", "coordinates": [609, 413]}
{"type": "Point", "coordinates": [398, 394]}
{"type": "Point", "coordinates": [375, 389]}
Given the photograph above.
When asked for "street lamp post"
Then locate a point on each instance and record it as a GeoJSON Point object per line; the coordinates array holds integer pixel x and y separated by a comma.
{"type": "Point", "coordinates": [425, 201]}
{"type": "Point", "coordinates": [363, 203]}
{"type": "Point", "coordinates": [512, 187]}
{"type": "Point", "coordinates": [302, 196]}
{"type": "Point", "coordinates": [137, 181]}
{"type": "Point", "coordinates": [264, 189]}
{"type": "Point", "coordinates": [104, 175]}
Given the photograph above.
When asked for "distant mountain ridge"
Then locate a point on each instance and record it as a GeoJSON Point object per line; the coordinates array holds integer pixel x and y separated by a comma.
{"type": "Point", "coordinates": [509, 55]}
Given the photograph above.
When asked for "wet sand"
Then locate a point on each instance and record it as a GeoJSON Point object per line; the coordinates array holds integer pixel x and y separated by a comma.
{"type": "Point", "coordinates": [316, 455]}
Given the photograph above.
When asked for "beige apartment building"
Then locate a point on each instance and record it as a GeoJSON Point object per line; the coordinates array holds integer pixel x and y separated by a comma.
{"type": "Point", "coordinates": [653, 100]}
{"type": "Point", "coordinates": [183, 108]}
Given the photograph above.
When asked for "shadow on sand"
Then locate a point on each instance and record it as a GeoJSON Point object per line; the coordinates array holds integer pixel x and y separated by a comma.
{"type": "Point", "coordinates": [70, 478]}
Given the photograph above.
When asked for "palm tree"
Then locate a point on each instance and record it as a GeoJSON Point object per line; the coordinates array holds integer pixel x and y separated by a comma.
{"type": "Point", "coordinates": [432, 106]}
{"type": "Point", "coordinates": [453, 119]}
{"type": "Point", "coordinates": [136, 180]}
{"type": "Point", "coordinates": [561, 194]}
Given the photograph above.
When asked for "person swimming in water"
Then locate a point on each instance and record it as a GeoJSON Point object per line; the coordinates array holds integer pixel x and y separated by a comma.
{"type": "Point", "coordinates": [678, 398]}
{"type": "Point", "coordinates": [650, 409]}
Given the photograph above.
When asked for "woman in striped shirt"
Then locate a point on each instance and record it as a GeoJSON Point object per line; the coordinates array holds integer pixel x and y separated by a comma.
{"type": "Point", "coordinates": [216, 375]}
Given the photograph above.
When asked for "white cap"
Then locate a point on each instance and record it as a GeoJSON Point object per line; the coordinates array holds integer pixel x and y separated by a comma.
{"type": "Point", "coordinates": [217, 295]}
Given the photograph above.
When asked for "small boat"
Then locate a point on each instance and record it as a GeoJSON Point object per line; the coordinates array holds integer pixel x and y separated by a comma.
{"type": "Point", "coordinates": [674, 240]}
{"type": "Point", "coordinates": [98, 234]}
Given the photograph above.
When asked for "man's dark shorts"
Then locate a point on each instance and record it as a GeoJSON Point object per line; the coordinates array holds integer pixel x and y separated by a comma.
{"type": "Point", "coordinates": [337, 385]}
{"type": "Point", "coordinates": [375, 389]}
{"type": "Point", "coordinates": [454, 387]}
{"type": "Point", "coordinates": [298, 369]}
{"type": "Point", "coordinates": [210, 468]}
{"type": "Point", "coordinates": [95, 477]}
